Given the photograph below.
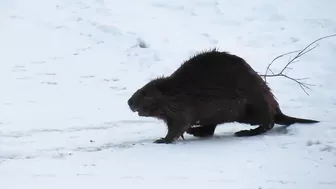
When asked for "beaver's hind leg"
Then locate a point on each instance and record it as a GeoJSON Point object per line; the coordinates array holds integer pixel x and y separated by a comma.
{"type": "Point", "coordinates": [257, 114]}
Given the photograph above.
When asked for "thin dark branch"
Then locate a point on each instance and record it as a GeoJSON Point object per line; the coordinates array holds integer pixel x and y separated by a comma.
{"type": "Point", "coordinates": [293, 60]}
{"type": "Point", "coordinates": [270, 64]}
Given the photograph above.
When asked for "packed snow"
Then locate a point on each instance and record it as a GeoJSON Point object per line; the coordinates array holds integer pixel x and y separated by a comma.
{"type": "Point", "coordinates": [67, 69]}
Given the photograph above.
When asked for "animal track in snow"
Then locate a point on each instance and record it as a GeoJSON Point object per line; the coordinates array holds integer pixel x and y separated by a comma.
{"type": "Point", "coordinates": [322, 147]}
{"type": "Point", "coordinates": [169, 6]}
{"type": "Point", "coordinates": [310, 142]}
{"type": "Point", "coordinates": [112, 80]}
{"type": "Point", "coordinates": [49, 82]}
{"type": "Point", "coordinates": [321, 23]}
{"type": "Point", "coordinates": [19, 68]}
{"type": "Point", "coordinates": [107, 28]}
{"type": "Point", "coordinates": [55, 58]}
{"type": "Point", "coordinates": [47, 74]}
{"type": "Point", "coordinates": [16, 17]}
{"type": "Point", "coordinates": [328, 148]}
{"type": "Point", "coordinates": [118, 88]}
{"type": "Point", "coordinates": [61, 27]}
{"type": "Point", "coordinates": [142, 43]}
{"type": "Point", "coordinates": [37, 62]}
{"type": "Point", "coordinates": [62, 152]}
{"type": "Point", "coordinates": [86, 35]}
{"type": "Point", "coordinates": [87, 76]}
{"type": "Point", "coordinates": [24, 78]}
{"type": "Point", "coordinates": [81, 50]}
{"type": "Point", "coordinates": [103, 126]}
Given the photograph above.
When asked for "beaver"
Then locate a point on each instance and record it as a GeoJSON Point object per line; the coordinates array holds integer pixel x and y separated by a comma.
{"type": "Point", "coordinates": [212, 87]}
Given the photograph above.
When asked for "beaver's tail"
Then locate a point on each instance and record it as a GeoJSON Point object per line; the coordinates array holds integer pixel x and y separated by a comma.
{"type": "Point", "coordinates": [282, 119]}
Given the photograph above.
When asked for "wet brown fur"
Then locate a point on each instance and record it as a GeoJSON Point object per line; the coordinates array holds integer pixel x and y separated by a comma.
{"type": "Point", "coordinates": [209, 89]}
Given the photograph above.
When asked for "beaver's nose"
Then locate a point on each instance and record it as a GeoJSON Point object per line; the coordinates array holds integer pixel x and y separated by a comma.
{"type": "Point", "coordinates": [130, 102]}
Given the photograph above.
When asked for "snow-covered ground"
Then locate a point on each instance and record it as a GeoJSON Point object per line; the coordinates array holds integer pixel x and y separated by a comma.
{"type": "Point", "coordinates": [67, 69]}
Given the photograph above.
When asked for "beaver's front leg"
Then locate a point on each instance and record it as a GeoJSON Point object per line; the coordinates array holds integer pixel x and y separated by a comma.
{"type": "Point", "coordinates": [175, 130]}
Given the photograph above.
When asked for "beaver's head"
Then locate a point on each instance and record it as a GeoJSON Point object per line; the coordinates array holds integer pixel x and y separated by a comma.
{"type": "Point", "coordinates": [148, 100]}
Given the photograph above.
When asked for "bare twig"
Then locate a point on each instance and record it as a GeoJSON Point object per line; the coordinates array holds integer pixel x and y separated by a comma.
{"type": "Point", "coordinates": [300, 53]}
{"type": "Point", "coordinates": [270, 64]}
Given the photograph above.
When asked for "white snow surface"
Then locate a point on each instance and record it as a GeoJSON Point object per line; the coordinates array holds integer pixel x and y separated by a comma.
{"type": "Point", "coordinates": [67, 69]}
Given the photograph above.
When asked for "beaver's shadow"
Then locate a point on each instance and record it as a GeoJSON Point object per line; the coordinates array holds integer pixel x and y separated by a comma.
{"type": "Point", "coordinates": [229, 136]}
{"type": "Point", "coordinates": [189, 139]}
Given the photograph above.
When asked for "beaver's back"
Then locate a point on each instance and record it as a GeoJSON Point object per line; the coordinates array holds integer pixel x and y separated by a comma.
{"type": "Point", "coordinates": [218, 74]}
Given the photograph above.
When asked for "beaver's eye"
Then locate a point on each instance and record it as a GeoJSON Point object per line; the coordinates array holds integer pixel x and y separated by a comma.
{"type": "Point", "coordinates": [143, 94]}
{"type": "Point", "coordinates": [148, 97]}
